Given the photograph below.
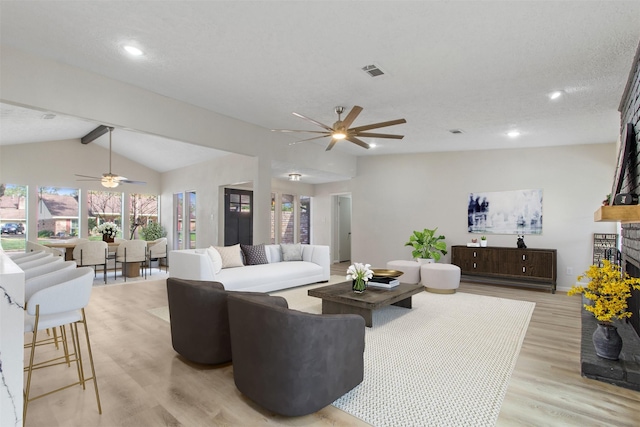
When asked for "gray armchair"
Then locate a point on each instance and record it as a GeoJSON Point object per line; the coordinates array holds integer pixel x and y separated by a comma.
{"type": "Point", "coordinates": [199, 320]}
{"type": "Point", "coordinates": [293, 363]}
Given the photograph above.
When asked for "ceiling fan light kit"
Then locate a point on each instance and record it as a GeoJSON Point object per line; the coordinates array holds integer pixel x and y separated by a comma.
{"type": "Point", "coordinates": [294, 177]}
{"type": "Point", "coordinates": [341, 129]}
{"type": "Point", "coordinates": [109, 182]}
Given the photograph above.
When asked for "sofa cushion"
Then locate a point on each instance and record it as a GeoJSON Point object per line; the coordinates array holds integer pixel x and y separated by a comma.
{"type": "Point", "coordinates": [254, 254]}
{"type": "Point", "coordinates": [231, 255]}
{"type": "Point", "coordinates": [291, 252]}
{"type": "Point", "coordinates": [216, 259]}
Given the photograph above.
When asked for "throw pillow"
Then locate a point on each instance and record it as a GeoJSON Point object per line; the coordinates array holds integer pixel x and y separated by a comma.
{"type": "Point", "coordinates": [254, 255]}
{"type": "Point", "coordinates": [291, 252]}
{"type": "Point", "coordinates": [231, 255]}
{"type": "Point", "coordinates": [215, 258]}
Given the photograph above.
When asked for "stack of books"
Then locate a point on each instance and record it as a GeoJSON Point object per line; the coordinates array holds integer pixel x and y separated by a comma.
{"type": "Point", "coordinates": [383, 282]}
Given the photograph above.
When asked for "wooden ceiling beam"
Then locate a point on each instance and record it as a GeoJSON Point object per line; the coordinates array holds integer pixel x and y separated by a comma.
{"type": "Point", "coordinates": [94, 134]}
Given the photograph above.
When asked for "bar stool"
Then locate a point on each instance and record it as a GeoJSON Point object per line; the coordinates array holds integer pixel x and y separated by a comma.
{"type": "Point", "coordinates": [58, 305]}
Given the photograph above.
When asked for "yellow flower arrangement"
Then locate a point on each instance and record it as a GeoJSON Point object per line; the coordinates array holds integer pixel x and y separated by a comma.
{"type": "Point", "coordinates": [609, 290]}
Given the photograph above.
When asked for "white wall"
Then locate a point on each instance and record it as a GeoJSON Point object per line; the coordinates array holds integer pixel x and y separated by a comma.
{"type": "Point", "coordinates": [394, 195]}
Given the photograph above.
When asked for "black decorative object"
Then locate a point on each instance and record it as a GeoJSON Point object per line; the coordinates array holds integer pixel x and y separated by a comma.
{"type": "Point", "coordinates": [521, 244]}
{"type": "Point", "coordinates": [625, 199]}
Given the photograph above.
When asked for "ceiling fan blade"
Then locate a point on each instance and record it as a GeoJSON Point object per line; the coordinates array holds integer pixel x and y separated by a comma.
{"type": "Point", "coordinates": [358, 142]}
{"type": "Point", "coordinates": [310, 139]}
{"type": "Point", "coordinates": [128, 181]}
{"type": "Point", "coordinates": [314, 122]}
{"type": "Point", "coordinates": [89, 179]}
{"type": "Point", "coordinates": [378, 125]}
{"type": "Point", "coordinates": [331, 144]}
{"type": "Point", "coordinates": [87, 176]}
{"type": "Point", "coordinates": [355, 111]}
{"type": "Point", "coordinates": [292, 130]}
{"type": "Point", "coordinates": [379, 135]}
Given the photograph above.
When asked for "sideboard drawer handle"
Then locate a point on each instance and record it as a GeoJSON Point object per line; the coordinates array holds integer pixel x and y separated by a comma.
{"type": "Point", "coordinates": [524, 257]}
{"type": "Point", "coordinates": [474, 254]}
{"type": "Point", "coordinates": [524, 269]}
{"type": "Point", "coordinates": [474, 265]}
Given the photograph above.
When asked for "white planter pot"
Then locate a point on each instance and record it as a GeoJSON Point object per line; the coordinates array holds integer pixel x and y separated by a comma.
{"type": "Point", "coordinates": [483, 243]}
{"type": "Point", "coordinates": [425, 260]}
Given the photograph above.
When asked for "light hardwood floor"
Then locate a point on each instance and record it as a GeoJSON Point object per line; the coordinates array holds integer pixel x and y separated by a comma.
{"type": "Point", "coordinates": [144, 383]}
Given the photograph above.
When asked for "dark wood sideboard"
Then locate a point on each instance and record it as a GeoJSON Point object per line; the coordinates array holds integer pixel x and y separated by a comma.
{"type": "Point", "coordinates": [534, 268]}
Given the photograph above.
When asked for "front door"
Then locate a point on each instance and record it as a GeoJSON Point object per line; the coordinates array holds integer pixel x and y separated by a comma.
{"type": "Point", "coordinates": [238, 217]}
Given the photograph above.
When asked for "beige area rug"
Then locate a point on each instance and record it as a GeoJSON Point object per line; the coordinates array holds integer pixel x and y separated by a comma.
{"type": "Point", "coordinates": [445, 362]}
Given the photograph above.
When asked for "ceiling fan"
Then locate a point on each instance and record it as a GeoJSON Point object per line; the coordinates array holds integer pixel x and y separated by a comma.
{"type": "Point", "coordinates": [109, 180]}
{"type": "Point", "coordinates": [341, 129]}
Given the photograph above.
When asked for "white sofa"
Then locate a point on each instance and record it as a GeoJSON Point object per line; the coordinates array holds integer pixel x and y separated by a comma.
{"type": "Point", "coordinates": [196, 264]}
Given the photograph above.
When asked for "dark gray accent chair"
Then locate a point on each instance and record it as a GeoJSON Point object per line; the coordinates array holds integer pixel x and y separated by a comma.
{"type": "Point", "coordinates": [200, 321]}
{"type": "Point", "coordinates": [293, 363]}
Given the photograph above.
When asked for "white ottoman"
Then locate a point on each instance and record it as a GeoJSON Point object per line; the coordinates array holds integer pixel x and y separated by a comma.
{"type": "Point", "coordinates": [411, 270]}
{"type": "Point", "coordinates": [440, 278]}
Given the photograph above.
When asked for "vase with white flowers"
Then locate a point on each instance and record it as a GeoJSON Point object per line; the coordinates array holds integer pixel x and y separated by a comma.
{"type": "Point", "coordinates": [360, 274]}
{"type": "Point", "coordinates": [108, 231]}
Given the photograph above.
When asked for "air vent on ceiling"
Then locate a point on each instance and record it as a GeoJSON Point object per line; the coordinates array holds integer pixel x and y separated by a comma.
{"type": "Point", "coordinates": [456, 131]}
{"type": "Point", "coordinates": [373, 70]}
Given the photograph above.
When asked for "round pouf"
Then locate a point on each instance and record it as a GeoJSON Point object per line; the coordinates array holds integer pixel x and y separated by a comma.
{"type": "Point", "coordinates": [411, 270]}
{"type": "Point", "coordinates": [440, 278]}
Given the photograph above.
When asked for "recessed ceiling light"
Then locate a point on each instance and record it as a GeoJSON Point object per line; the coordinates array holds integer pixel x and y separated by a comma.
{"type": "Point", "coordinates": [48, 116]}
{"type": "Point", "coordinates": [133, 50]}
{"type": "Point", "coordinates": [456, 131]}
{"type": "Point", "coordinates": [555, 95]}
{"type": "Point", "coordinates": [513, 134]}
{"type": "Point", "coordinates": [373, 145]}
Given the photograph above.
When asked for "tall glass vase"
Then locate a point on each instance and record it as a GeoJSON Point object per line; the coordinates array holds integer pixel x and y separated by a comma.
{"type": "Point", "coordinates": [359, 286]}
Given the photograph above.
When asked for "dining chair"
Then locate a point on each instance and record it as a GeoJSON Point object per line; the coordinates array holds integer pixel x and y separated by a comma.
{"type": "Point", "coordinates": [56, 305]}
{"type": "Point", "coordinates": [130, 251]}
{"type": "Point", "coordinates": [92, 253]}
{"type": "Point", "coordinates": [157, 250]}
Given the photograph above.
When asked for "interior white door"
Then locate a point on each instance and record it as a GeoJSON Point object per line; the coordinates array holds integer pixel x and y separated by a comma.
{"type": "Point", "coordinates": [344, 228]}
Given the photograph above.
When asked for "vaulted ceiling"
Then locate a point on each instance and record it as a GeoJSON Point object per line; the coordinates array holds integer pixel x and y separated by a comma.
{"type": "Point", "coordinates": [485, 68]}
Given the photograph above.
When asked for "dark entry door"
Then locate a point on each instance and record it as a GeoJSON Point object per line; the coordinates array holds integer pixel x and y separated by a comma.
{"type": "Point", "coordinates": [238, 217]}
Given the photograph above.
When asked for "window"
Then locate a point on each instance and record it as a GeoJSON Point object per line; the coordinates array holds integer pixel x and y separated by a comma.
{"type": "Point", "coordinates": [273, 218]}
{"type": "Point", "coordinates": [295, 218]}
{"type": "Point", "coordinates": [143, 209]}
{"type": "Point", "coordinates": [58, 212]}
{"type": "Point", "coordinates": [191, 236]}
{"type": "Point", "coordinates": [184, 236]}
{"type": "Point", "coordinates": [287, 219]}
{"type": "Point", "coordinates": [178, 208]}
{"type": "Point", "coordinates": [103, 206]}
{"type": "Point", "coordinates": [13, 212]}
{"type": "Point", "coordinates": [305, 219]}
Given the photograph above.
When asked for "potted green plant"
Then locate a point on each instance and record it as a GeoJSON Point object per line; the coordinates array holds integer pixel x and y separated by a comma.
{"type": "Point", "coordinates": [152, 231]}
{"type": "Point", "coordinates": [483, 241]}
{"type": "Point", "coordinates": [427, 246]}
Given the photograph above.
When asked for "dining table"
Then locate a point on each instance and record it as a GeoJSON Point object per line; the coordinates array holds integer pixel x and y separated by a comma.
{"type": "Point", "coordinates": [132, 270]}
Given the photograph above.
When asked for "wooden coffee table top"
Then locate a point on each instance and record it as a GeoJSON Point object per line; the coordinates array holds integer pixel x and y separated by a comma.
{"type": "Point", "coordinates": [371, 299]}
